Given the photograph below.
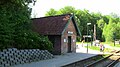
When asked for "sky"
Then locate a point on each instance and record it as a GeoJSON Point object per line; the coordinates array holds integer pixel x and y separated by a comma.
{"type": "Point", "coordinates": [103, 6]}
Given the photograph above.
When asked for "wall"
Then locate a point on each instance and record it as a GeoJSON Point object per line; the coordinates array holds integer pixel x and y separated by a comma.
{"type": "Point", "coordinates": [13, 56]}
{"type": "Point", "coordinates": [56, 40]}
{"type": "Point", "coordinates": [64, 46]}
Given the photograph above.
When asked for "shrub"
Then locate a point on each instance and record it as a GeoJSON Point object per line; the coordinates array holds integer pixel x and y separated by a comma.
{"type": "Point", "coordinates": [32, 40]}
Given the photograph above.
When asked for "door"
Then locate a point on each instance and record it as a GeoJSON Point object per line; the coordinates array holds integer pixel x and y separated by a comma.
{"type": "Point", "coordinates": [69, 44]}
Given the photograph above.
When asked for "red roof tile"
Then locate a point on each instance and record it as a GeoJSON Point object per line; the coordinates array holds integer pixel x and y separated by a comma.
{"type": "Point", "coordinates": [52, 25]}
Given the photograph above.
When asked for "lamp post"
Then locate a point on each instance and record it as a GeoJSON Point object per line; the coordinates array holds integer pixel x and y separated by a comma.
{"type": "Point", "coordinates": [91, 31]}
{"type": "Point", "coordinates": [87, 35]}
{"type": "Point", "coordinates": [114, 37]}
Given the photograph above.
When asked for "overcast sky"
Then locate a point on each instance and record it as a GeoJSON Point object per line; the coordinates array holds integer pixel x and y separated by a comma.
{"type": "Point", "coordinates": [103, 6]}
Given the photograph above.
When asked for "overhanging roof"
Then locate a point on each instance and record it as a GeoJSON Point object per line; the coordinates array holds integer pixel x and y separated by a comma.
{"type": "Point", "coordinates": [53, 25]}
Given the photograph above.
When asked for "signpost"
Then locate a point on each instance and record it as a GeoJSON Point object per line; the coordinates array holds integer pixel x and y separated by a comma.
{"type": "Point", "coordinates": [87, 35]}
{"type": "Point", "coordinates": [114, 37]}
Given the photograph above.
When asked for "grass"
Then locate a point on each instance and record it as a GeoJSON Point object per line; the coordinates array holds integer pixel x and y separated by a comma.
{"type": "Point", "coordinates": [93, 47]}
{"type": "Point", "coordinates": [81, 42]}
{"type": "Point", "coordinates": [116, 45]}
{"type": "Point", "coordinates": [100, 57]}
{"type": "Point", "coordinates": [78, 42]}
{"type": "Point", "coordinates": [111, 44]}
{"type": "Point", "coordinates": [97, 48]}
{"type": "Point", "coordinates": [108, 50]}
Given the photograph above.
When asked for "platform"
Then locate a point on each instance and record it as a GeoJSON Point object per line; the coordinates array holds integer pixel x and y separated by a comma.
{"type": "Point", "coordinates": [61, 60]}
{"type": "Point", "coordinates": [58, 61]}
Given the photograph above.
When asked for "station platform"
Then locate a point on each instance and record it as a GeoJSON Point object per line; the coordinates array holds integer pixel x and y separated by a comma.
{"type": "Point", "coordinates": [61, 60]}
{"type": "Point", "coordinates": [58, 61]}
{"type": "Point", "coordinates": [118, 64]}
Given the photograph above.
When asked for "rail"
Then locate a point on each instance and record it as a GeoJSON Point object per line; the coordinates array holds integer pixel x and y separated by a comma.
{"type": "Point", "coordinates": [110, 64]}
{"type": "Point", "coordinates": [96, 62]}
{"type": "Point", "coordinates": [89, 63]}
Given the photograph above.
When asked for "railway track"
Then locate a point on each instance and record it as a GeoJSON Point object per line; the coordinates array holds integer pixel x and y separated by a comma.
{"type": "Point", "coordinates": [108, 61]}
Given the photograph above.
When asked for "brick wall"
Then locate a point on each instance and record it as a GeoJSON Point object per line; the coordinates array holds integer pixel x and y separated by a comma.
{"type": "Point", "coordinates": [64, 46]}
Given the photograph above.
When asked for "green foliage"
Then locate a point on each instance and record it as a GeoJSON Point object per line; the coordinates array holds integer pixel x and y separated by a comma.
{"type": "Point", "coordinates": [118, 31]}
{"type": "Point", "coordinates": [94, 48]}
{"type": "Point", "coordinates": [109, 29]}
{"type": "Point", "coordinates": [82, 17]}
{"type": "Point", "coordinates": [15, 26]}
{"type": "Point", "coordinates": [97, 48]}
{"type": "Point", "coordinates": [106, 24]}
{"type": "Point", "coordinates": [101, 23]}
{"type": "Point", "coordinates": [30, 40]}
{"type": "Point", "coordinates": [67, 10]}
{"type": "Point", "coordinates": [51, 12]}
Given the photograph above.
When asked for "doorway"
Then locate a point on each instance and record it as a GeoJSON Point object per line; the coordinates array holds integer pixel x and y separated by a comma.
{"type": "Point", "coordinates": [69, 44]}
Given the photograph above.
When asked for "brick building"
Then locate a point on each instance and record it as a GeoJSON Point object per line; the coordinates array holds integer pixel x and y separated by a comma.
{"type": "Point", "coordinates": [61, 30]}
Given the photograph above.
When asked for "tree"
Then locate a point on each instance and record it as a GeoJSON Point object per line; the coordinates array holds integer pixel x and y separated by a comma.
{"type": "Point", "coordinates": [51, 12]}
{"type": "Point", "coordinates": [67, 10]}
{"type": "Point", "coordinates": [114, 15]}
{"type": "Point", "coordinates": [101, 23]}
{"type": "Point", "coordinates": [15, 26]}
{"type": "Point", "coordinates": [82, 17]}
{"type": "Point", "coordinates": [104, 23]}
{"type": "Point", "coordinates": [118, 31]}
{"type": "Point", "coordinates": [109, 29]}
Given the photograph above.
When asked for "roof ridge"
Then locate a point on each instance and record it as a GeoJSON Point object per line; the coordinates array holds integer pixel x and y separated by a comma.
{"type": "Point", "coordinates": [51, 16]}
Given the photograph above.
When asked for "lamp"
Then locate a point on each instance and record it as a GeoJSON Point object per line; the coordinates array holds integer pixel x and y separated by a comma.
{"type": "Point", "coordinates": [87, 35]}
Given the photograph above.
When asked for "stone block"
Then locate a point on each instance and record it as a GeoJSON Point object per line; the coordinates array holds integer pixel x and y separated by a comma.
{"type": "Point", "coordinates": [33, 50]}
{"type": "Point", "coordinates": [1, 65]}
{"type": "Point", "coordinates": [11, 59]}
{"type": "Point", "coordinates": [14, 49]}
{"type": "Point", "coordinates": [21, 52]}
{"type": "Point", "coordinates": [10, 54]}
{"type": "Point", "coordinates": [10, 49]}
{"type": "Point", "coordinates": [30, 50]}
{"type": "Point", "coordinates": [4, 54]}
{"type": "Point", "coordinates": [22, 62]}
{"type": "Point", "coordinates": [17, 52]}
{"type": "Point", "coordinates": [4, 50]}
{"type": "Point", "coordinates": [6, 65]}
{"type": "Point", "coordinates": [13, 56]}
{"type": "Point", "coordinates": [17, 62]}
{"type": "Point", "coordinates": [37, 50]}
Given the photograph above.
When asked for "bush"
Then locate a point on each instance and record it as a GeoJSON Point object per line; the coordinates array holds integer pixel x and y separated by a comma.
{"type": "Point", "coordinates": [32, 40]}
{"type": "Point", "coordinates": [27, 40]}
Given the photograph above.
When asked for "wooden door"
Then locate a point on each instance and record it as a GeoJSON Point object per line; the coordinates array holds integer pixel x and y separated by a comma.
{"type": "Point", "coordinates": [69, 43]}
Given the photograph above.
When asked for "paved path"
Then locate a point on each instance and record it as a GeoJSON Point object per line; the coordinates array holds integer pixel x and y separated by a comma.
{"type": "Point", "coordinates": [84, 50]}
{"type": "Point", "coordinates": [81, 49]}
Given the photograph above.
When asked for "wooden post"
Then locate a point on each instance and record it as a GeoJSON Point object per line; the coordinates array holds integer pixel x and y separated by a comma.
{"type": "Point", "coordinates": [94, 35]}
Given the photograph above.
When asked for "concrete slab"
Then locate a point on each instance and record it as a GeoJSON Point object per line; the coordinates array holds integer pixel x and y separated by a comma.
{"type": "Point", "coordinates": [58, 61]}
{"type": "Point", "coordinates": [61, 60]}
{"type": "Point", "coordinates": [117, 65]}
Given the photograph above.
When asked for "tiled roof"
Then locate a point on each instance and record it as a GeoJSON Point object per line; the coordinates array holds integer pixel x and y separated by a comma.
{"type": "Point", "coordinates": [51, 25]}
